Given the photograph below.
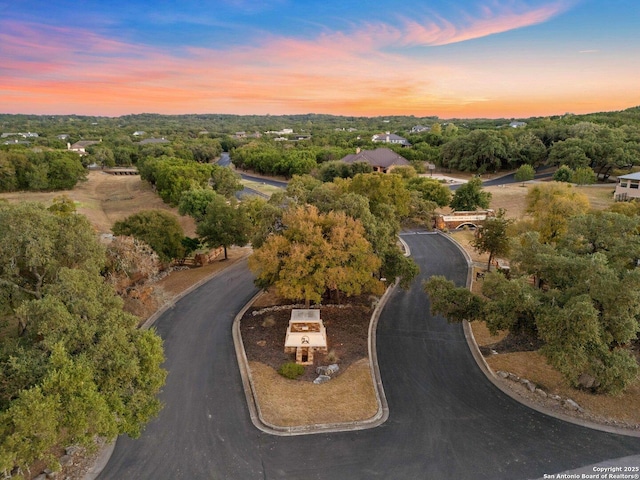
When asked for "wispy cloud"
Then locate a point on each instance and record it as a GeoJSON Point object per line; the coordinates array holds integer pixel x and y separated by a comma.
{"type": "Point", "coordinates": [360, 71]}
{"type": "Point", "coordinates": [488, 20]}
{"type": "Point", "coordinates": [589, 51]}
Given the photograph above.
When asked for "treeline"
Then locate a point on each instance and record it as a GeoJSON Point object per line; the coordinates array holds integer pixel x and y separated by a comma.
{"type": "Point", "coordinates": [39, 170]}
{"type": "Point", "coordinates": [600, 141]}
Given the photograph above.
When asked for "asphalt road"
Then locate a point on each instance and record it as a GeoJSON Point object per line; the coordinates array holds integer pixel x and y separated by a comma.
{"type": "Point", "coordinates": [225, 161]}
{"type": "Point", "coordinates": [447, 421]}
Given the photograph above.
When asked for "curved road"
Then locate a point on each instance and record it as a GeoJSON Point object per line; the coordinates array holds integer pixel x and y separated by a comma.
{"type": "Point", "coordinates": [446, 419]}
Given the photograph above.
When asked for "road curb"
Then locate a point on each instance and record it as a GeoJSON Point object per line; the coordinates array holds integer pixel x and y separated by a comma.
{"type": "Point", "coordinates": [491, 375]}
{"type": "Point", "coordinates": [381, 415]}
{"type": "Point", "coordinates": [103, 456]}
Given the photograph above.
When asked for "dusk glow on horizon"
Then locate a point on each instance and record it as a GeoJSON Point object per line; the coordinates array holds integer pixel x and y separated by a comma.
{"type": "Point", "coordinates": [471, 58]}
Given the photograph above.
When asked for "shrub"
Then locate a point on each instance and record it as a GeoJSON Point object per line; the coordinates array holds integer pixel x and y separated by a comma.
{"type": "Point", "coordinates": [269, 321]}
{"type": "Point", "coordinates": [291, 370]}
{"type": "Point", "coordinates": [332, 357]}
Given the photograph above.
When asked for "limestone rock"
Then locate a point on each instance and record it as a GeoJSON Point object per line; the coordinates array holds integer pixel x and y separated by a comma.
{"type": "Point", "coordinates": [570, 404]}
{"type": "Point", "coordinates": [588, 381]}
{"type": "Point", "coordinates": [322, 379]}
{"type": "Point", "coordinates": [541, 392]}
{"type": "Point", "coordinates": [328, 370]}
{"type": "Point", "coordinates": [72, 450]}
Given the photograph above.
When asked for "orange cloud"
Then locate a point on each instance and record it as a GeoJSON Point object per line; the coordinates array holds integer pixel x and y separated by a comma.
{"type": "Point", "coordinates": [71, 70]}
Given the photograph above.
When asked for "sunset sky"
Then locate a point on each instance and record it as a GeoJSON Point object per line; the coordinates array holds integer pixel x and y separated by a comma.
{"type": "Point", "coordinates": [465, 58]}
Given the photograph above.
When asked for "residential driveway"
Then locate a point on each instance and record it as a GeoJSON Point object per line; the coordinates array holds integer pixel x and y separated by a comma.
{"type": "Point", "coordinates": [447, 421]}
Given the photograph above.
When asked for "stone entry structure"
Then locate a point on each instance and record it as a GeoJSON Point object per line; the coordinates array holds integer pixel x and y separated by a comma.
{"type": "Point", "coordinates": [305, 335]}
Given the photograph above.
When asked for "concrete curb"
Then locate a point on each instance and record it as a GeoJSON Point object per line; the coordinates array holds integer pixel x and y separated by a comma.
{"type": "Point", "coordinates": [105, 452]}
{"type": "Point", "coordinates": [491, 375]}
{"type": "Point", "coordinates": [255, 414]}
{"type": "Point", "coordinates": [170, 304]}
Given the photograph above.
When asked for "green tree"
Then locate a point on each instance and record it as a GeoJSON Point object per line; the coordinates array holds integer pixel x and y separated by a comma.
{"type": "Point", "coordinates": [80, 366]}
{"type": "Point", "coordinates": [492, 237]}
{"type": "Point", "coordinates": [194, 202]}
{"type": "Point", "coordinates": [480, 151]}
{"type": "Point", "coordinates": [8, 179]}
{"type": "Point", "coordinates": [174, 176]}
{"type": "Point", "coordinates": [35, 243]}
{"type": "Point", "coordinates": [158, 228]}
{"type": "Point", "coordinates": [583, 176]}
{"type": "Point", "coordinates": [431, 190]}
{"type": "Point", "coordinates": [563, 174]}
{"type": "Point", "coordinates": [380, 189]}
{"type": "Point", "coordinates": [101, 155]}
{"type": "Point", "coordinates": [456, 304]}
{"type": "Point", "coordinates": [551, 206]}
{"type": "Point", "coordinates": [224, 224]}
{"type": "Point", "coordinates": [225, 181]}
{"type": "Point", "coordinates": [529, 149]}
{"type": "Point", "coordinates": [524, 174]}
{"type": "Point", "coordinates": [469, 196]}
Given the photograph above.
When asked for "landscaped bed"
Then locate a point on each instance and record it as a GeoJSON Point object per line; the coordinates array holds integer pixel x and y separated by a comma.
{"type": "Point", "coordinates": [348, 397]}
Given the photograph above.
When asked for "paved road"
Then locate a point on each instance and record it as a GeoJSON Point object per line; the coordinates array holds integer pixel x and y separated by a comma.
{"type": "Point", "coordinates": [446, 419]}
{"type": "Point", "coordinates": [225, 161]}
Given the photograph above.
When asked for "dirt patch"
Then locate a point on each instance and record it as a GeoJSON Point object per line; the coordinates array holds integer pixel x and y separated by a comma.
{"type": "Point", "coordinates": [347, 336]}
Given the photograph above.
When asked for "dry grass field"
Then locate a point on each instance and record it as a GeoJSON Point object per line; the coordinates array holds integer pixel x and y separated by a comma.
{"type": "Point", "coordinates": [349, 397]}
{"type": "Point", "coordinates": [105, 199]}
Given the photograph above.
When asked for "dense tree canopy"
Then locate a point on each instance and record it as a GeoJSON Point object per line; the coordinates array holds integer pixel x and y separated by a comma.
{"type": "Point", "coordinates": [470, 196]}
{"type": "Point", "coordinates": [225, 223]}
{"type": "Point", "coordinates": [37, 170]}
{"type": "Point", "coordinates": [578, 296]}
{"type": "Point", "coordinates": [78, 366]}
{"type": "Point", "coordinates": [316, 254]}
{"type": "Point", "coordinates": [157, 228]}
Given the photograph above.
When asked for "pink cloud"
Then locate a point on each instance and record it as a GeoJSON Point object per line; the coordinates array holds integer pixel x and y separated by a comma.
{"type": "Point", "coordinates": [71, 70]}
{"type": "Point", "coordinates": [497, 19]}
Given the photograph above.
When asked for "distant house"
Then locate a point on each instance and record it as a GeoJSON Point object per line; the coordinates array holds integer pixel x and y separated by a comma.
{"type": "Point", "coordinates": [381, 159]}
{"type": "Point", "coordinates": [628, 187]}
{"type": "Point", "coordinates": [15, 141]}
{"type": "Point", "coordinates": [284, 131]}
{"type": "Point", "coordinates": [390, 138]}
{"type": "Point", "coordinates": [20, 134]}
{"type": "Point", "coordinates": [138, 133]}
{"type": "Point", "coordinates": [518, 124]}
{"type": "Point", "coordinates": [239, 135]}
{"type": "Point", "coordinates": [147, 141]}
{"type": "Point", "coordinates": [81, 146]}
{"type": "Point", "coordinates": [63, 136]}
{"type": "Point", "coordinates": [420, 129]}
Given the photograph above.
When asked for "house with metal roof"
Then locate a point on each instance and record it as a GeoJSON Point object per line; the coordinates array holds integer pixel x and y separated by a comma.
{"type": "Point", "coordinates": [381, 159]}
{"type": "Point", "coordinates": [628, 187]}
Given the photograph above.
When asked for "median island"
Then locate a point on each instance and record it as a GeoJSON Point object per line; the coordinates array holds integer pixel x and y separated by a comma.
{"type": "Point", "coordinates": [349, 396]}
